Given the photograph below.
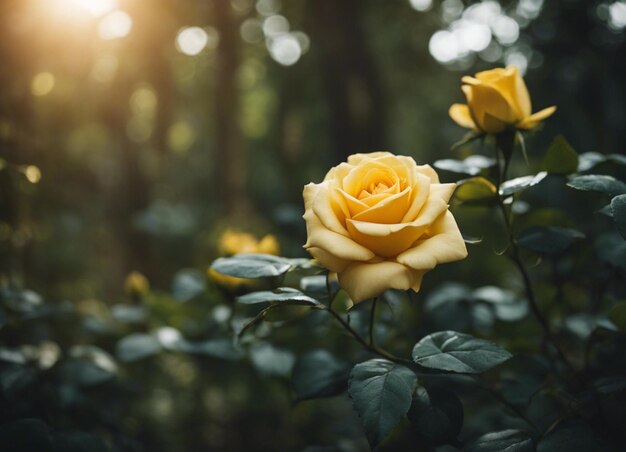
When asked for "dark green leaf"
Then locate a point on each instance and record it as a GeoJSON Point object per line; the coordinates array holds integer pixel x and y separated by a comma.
{"type": "Point", "coordinates": [561, 158]}
{"type": "Point", "coordinates": [282, 296]}
{"type": "Point", "coordinates": [549, 240]}
{"type": "Point", "coordinates": [437, 414]}
{"type": "Point", "coordinates": [14, 378]}
{"type": "Point", "coordinates": [84, 373]}
{"type": "Point", "coordinates": [188, 283]}
{"type": "Point", "coordinates": [618, 209]}
{"type": "Point", "coordinates": [319, 374]}
{"type": "Point", "coordinates": [128, 313]}
{"type": "Point", "coordinates": [381, 393]}
{"type": "Point", "coordinates": [521, 183]}
{"type": "Point", "coordinates": [25, 435]}
{"type": "Point", "coordinates": [252, 265]}
{"type": "Point", "coordinates": [590, 159]}
{"type": "Point", "coordinates": [610, 385]}
{"type": "Point", "coordinates": [78, 442]}
{"type": "Point", "coordinates": [458, 352]}
{"type": "Point", "coordinates": [137, 346]}
{"type": "Point", "coordinates": [472, 165]}
{"type": "Point", "coordinates": [617, 315]}
{"type": "Point", "coordinates": [506, 305]}
{"type": "Point", "coordinates": [505, 440]}
{"type": "Point", "coordinates": [270, 360]}
{"type": "Point", "coordinates": [599, 183]}
{"type": "Point", "coordinates": [572, 435]}
{"type": "Point", "coordinates": [612, 249]}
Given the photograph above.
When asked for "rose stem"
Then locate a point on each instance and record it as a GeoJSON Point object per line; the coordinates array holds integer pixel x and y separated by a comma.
{"type": "Point", "coordinates": [515, 257]}
{"type": "Point", "coordinates": [369, 346]}
{"type": "Point", "coordinates": [372, 319]}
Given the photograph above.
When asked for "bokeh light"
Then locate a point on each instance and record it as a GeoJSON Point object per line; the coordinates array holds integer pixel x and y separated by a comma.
{"type": "Point", "coordinates": [116, 24]}
{"type": "Point", "coordinates": [192, 41]}
{"type": "Point", "coordinates": [617, 15]}
{"type": "Point", "coordinates": [421, 5]}
{"type": "Point", "coordinates": [42, 84]}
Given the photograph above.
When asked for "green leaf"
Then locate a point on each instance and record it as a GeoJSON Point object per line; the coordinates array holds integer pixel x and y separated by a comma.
{"type": "Point", "coordinates": [610, 385]}
{"type": "Point", "coordinates": [505, 440]}
{"type": "Point", "coordinates": [252, 265]}
{"type": "Point", "coordinates": [549, 240]}
{"type": "Point", "coordinates": [26, 435]}
{"type": "Point", "coordinates": [572, 435]}
{"type": "Point", "coordinates": [512, 186]}
{"type": "Point", "coordinates": [137, 346]}
{"type": "Point", "coordinates": [588, 160]}
{"type": "Point", "coordinates": [437, 414]}
{"type": "Point", "coordinates": [319, 374]}
{"type": "Point", "coordinates": [475, 189]}
{"type": "Point", "coordinates": [188, 283]}
{"type": "Point", "coordinates": [599, 183]}
{"type": "Point", "coordinates": [458, 352]}
{"type": "Point", "coordinates": [282, 296]}
{"type": "Point", "coordinates": [270, 360]}
{"type": "Point", "coordinates": [472, 165]}
{"type": "Point", "coordinates": [381, 394]}
{"type": "Point", "coordinates": [618, 209]}
{"type": "Point", "coordinates": [612, 249]}
{"type": "Point", "coordinates": [14, 378]}
{"type": "Point", "coordinates": [561, 158]}
{"type": "Point", "coordinates": [617, 315]}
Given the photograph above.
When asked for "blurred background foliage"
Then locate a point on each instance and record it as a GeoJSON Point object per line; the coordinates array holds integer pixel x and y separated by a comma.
{"type": "Point", "coordinates": [134, 133]}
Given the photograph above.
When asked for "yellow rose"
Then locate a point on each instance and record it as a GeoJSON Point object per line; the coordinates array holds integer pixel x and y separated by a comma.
{"type": "Point", "coordinates": [497, 100]}
{"type": "Point", "coordinates": [234, 242]}
{"type": "Point", "coordinates": [381, 221]}
{"type": "Point", "coordinates": [136, 285]}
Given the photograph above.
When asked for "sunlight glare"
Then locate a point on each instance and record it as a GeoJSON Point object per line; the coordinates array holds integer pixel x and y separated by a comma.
{"type": "Point", "coordinates": [116, 24]}
{"type": "Point", "coordinates": [96, 8]}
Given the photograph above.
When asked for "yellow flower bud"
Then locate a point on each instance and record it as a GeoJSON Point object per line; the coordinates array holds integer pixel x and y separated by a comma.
{"type": "Point", "coordinates": [497, 100]}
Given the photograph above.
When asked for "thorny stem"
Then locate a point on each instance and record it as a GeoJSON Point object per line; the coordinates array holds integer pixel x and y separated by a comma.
{"type": "Point", "coordinates": [517, 260]}
{"type": "Point", "coordinates": [372, 319]}
{"type": "Point", "coordinates": [369, 346]}
{"type": "Point", "coordinates": [406, 362]}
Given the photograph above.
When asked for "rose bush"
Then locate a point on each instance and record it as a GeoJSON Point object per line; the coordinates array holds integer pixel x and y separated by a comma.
{"type": "Point", "coordinates": [381, 221]}
{"type": "Point", "coordinates": [497, 99]}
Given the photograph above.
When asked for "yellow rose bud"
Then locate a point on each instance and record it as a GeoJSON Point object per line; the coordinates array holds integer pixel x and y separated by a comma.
{"type": "Point", "coordinates": [234, 242]}
{"type": "Point", "coordinates": [497, 100]}
{"type": "Point", "coordinates": [136, 285]}
{"type": "Point", "coordinates": [380, 222]}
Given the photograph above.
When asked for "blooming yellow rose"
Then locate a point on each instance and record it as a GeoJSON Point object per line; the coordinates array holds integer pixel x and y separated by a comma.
{"type": "Point", "coordinates": [381, 221]}
{"type": "Point", "coordinates": [497, 100]}
{"type": "Point", "coordinates": [234, 242]}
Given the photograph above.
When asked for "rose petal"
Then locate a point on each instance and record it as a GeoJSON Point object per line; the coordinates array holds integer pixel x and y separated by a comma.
{"type": "Point", "coordinates": [355, 159]}
{"type": "Point", "coordinates": [482, 100]}
{"type": "Point", "coordinates": [368, 280]}
{"type": "Point", "coordinates": [428, 171]}
{"type": "Point", "coordinates": [445, 245]}
{"type": "Point", "coordinates": [511, 85]}
{"type": "Point", "coordinates": [533, 120]}
{"type": "Point", "coordinates": [390, 210]}
{"type": "Point", "coordinates": [330, 215]}
{"type": "Point", "coordinates": [328, 260]}
{"type": "Point", "coordinates": [388, 240]}
{"type": "Point", "coordinates": [421, 191]}
{"type": "Point", "coordinates": [460, 114]}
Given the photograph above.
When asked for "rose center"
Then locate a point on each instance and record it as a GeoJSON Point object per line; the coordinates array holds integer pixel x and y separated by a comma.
{"type": "Point", "coordinates": [373, 189]}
